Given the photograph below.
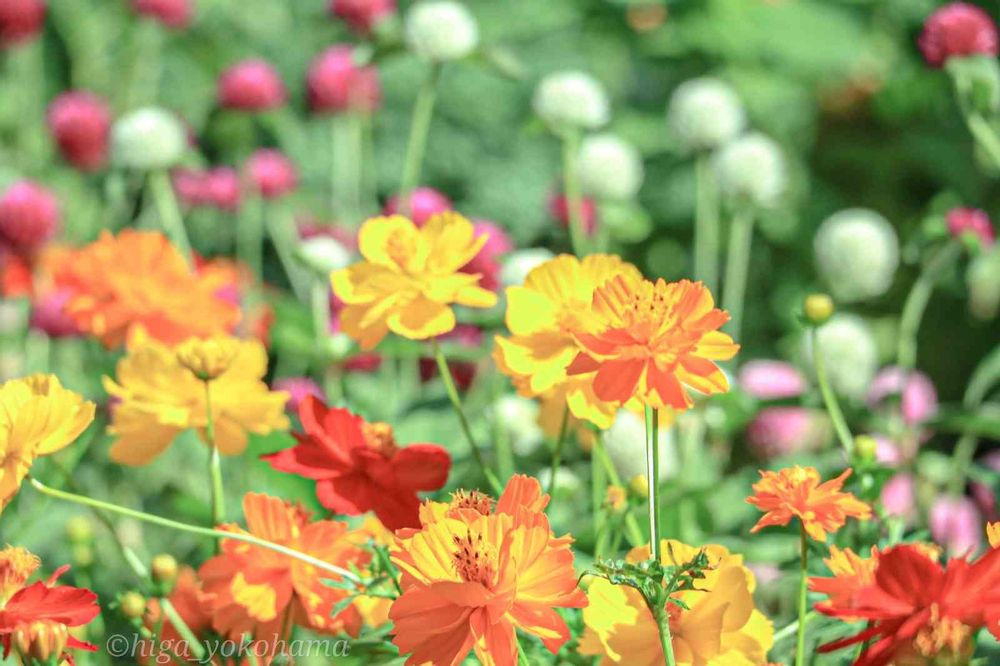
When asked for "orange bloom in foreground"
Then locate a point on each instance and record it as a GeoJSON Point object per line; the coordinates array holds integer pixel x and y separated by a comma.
{"type": "Point", "coordinates": [473, 573]}
{"type": "Point", "coordinates": [797, 492]}
{"type": "Point", "coordinates": [138, 279]}
{"type": "Point", "coordinates": [652, 341]}
{"type": "Point", "coordinates": [851, 572]}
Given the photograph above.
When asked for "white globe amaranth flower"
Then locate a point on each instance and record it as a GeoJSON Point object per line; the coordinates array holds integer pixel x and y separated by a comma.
{"type": "Point", "coordinates": [441, 30]}
{"type": "Point", "coordinates": [518, 264]}
{"type": "Point", "coordinates": [625, 443]}
{"type": "Point", "coordinates": [705, 113]}
{"type": "Point", "coordinates": [857, 254]}
{"type": "Point", "coordinates": [148, 139]}
{"type": "Point", "coordinates": [850, 355]}
{"type": "Point", "coordinates": [751, 169]}
{"type": "Point", "coordinates": [518, 417]}
{"type": "Point", "coordinates": [323, 254]}
{"type": "Point", "coordinates": [572, 99]}
{"type": "Point", "coordinates": [609, 167]}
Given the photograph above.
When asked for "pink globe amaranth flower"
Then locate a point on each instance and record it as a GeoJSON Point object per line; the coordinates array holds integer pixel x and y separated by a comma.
{"type": "Point", "coordinates": [171, 13]}
{"type": "Point", "coordinates": [957, 29]}
{"type": "Point", "coordinates": [985, 499]}
{"type": "Point", "coordinates": [80, 122]}
{"type": "Point", "coordinates": [972, 221]}
{"type": "Point", "coordinates": [311, 227]}
{"type": "Point", "coordinates": [487, 262]}
{"type": "Point", "coordinates": [251, 85]}
{"type": "Point", "coordinates": [559, 209]}
{"type": "Point", "coordinates": [462, 372]}
{"type": "Point", "coordinates": [956, 524]}
{"type": "Point", "coordinates": [272, 174]}
{"type": "Point", "coordinates": [20, 20]}
{"type": "Point", "coordinates": [782, 431]}
{"type": "Point", "coordinates": [424, 203]}
{"type": "Point", "coordinates": [336, 83]}
{"type": "Point", "coordinates": [899, 496]}
{"type": "Point", "coordinates": [48, 315]}
{"type": "Point", "coordinates": [29, 216]}
{"type": "Point", "coordinates": [223, 189]}
{"type": "Point", "coordinates": [771, 380]}
{"type": "Point", "coordinates": [298, 389]}
{"type": "Point", "coordinates": [363, 15]}
{"type": "Point", "coordinates": [992, 460]}
{"type": "Point", "coordinates": [918, 398]}
{"type": "Point", "coordinates": [888, 452]}
{"type": "Point", "coordinates": [189, 185]}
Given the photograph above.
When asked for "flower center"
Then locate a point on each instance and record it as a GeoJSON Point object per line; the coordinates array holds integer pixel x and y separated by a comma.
{"type": "Point", "coordinates": [475, 560]}
{"type": "Point", "coordinates": [472, 499]}
{"type": "Point", "coordinates": [942, 636]}
{"type": "Point", "coordinates": [379, 436]}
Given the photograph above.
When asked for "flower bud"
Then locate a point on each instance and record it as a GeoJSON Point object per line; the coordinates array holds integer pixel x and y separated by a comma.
{"type": "Point", "coordinates": [29, 216]}
{"type": "Point", "coordinates": [272, 174]}
{"type": "Point", "coordinates": [771, 380]}
{"type": "Point", "coordinates": [251, 85]}
{"type": "Point", "coordinates": [518, 417]}
{"type": "Point", "coordinates": [363, 15]}
{"type": "Point", "coordinates": [79, 530]}
{"type": "Point", "coordinates": [20, 21]}
{"type": "Point", "coordinates": [818, 308]}
{"type": "Point", "coordinates": [899, 495]}
{"type": "Point", "coordinates": [323, 254]}
{"type": "Point", "coordinates": [559, 209]}
{"type": "Point", "coordinates": [148, 139]}
{"type": "Point", "coordinates": [955, 523]}
{"type": "Point", "coordinates": [518, 264]}
{"type": "Point", "coordinates": [132, 605]}
{"type": "Point", "coordinates": [80, 122]}
{"type": "Point", "coordinates": [336, 83]}
{"type": "Point", "coordinates": [963, 222]}
{"type": "Point", "coordinates": [171, 13]}
{"type": "Point", "coordinates": [441, 30]}
{"type": "Point", "coordinates": [298, 389]}
{"type": "Point", "coordinates": [609, 168]}
{"type": "Point", "coordinates": [222, 189]}
{"type": "Point", "coordinates": [784, 431]}
{"type": "Point", "coordinates": [423, 203]}
{"type": "Point", "coordinates": [704, 114]}
{"type": "Point", "coordinates": [40, 640]}
{"type": "Point", "coordinates": [639, 486]}
{"type": "Point", "coordinates": [164, 569]}
{"type": "Point", "coordinates": [857, 254]}
{"type": "Point", "coordinates": [918, 398]}
{"type": "Point", "coordinates": [850, 356]}
{"type": "Point", "coordinates": [571, 100]}
{"type": "Point", "coordinates": [983, 281]}
{"type": "Point", "coordinates": [865, 448]}
{"type": "Point", "coordinates": [207, 359]}
{"type": "Point", "coordinates": [751, 170]}
{"type": "Point", "coordinates": [957, 29]}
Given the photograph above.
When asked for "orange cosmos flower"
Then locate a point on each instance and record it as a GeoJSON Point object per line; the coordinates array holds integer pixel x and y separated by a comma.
{"type": "Point", "coordinates": [409, 278]}
{"type": "Point", "coordinates": [256, 590]}
{"type": "Point", "coordinates": [138, 279]}
{"type": "Point", "coordinates": [651, 341]}
{"type": "Point", "coordinates": [473, 573]}
{"type": "Point", "coordinates": [797, 492]}
{"type": "Point", "coordinates": [851, 572]}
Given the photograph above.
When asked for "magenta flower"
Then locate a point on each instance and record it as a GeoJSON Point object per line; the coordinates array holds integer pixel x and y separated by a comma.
{"type": "Point", "coordinates": [251, 85]}
{"type": "Point", "coordinates": [424, 202]}
{"type": "Point", "coordinates": [298, 388]}
{"type": "Point", "coordinates": [272, 174]}
{"type": "Point", "coordinates": [771, 380]}
{"type": "Point", "coordinates": [336, 83]}
{"type": "Point", "coordinates": [48, 315]}
{"type": "Point", "coordinates": [918, 398]}
{"type": "Point", "coordinates": [80, 122]}
{"type": "Point", "coordinates": [782, 431]}
{"type": "Point", "coordinates": [175, 14]}
{"type": "Point", "coordinates": [957, 29]}
{"type": "Point", "coordinates": [559, 209]}
{"type": "Point", "coordinates": [956, 524]}
{"type": "Point", "coordinates": [363, 15]}
{"type": "Point", "coordinates": [899, 496]}
{"type": "Point", "coordinates": [487, 262]}
{"type": "Point", "coordinates": [29, 216]}
{"type": "Point", "coordinates": [20, 21]}
{"type": "Point", "coordinates": [972, 221]}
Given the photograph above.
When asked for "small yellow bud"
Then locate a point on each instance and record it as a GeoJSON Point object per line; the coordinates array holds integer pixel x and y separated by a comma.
{"type": "Point", "coordinates": [132, 605]}
{"type": "Point", "coordinates": [865, 447]}
{"type": "Point", "coordinates": [616, 498]}
{"type": "Point", "coordinates": [818, 308]}
{"type": "Point", "coordinates": [639, 486]}
{"type": "Point", "coordinates": [164, 569]}
{"type": "Point", "coordinates": [207, 359]}
{"type": "Point", "coordinates": [79, 530]}
{"type": "Point", "coordinates": [83, 555]}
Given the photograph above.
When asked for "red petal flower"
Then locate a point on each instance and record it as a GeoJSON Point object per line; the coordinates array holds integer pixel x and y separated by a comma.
{"type": "Point", "coordinates": [39, 602]}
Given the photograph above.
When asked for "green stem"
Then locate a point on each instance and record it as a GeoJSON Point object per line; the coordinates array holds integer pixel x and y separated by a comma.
{"type": "Point", "coordinates": [632, 530]}
{"type": "Point", "coordinates": [456, 403]}
{"type": "Point", "coordinates": [522, 656]}
{"type": "Point", "coordinates": [194, 529]}
{"type": "Point", "coordinates": [320, 303]}
{"type": "Point", "coordinates": [557, 451]}
{"type": "Point", "coordinates": [829, 397]}
{"type": "Point", "coordinates": [215, 462]}
{"type": "Point", "coordinates": [420, 127]}
{"type": "Point", "coordinates": [793, 627]}
{"type": "Point", "coordinates": [572, 192]}
{"type": "Point", "coordinates": [168, 212]}
{"type": "Point", "coordinates": [182, 628]}
{"type": "Point", "coordinates": [250, 236]}
{"type": "Point", "coordinates": [984, 135]}
{"type": "Point", "coordinates": [285, 237]}
{"type": "Point", "coordinates": [737, 267]}
{"type": "Point", "coordinates": [706, 225]}
{"type": "Point", "coordinates": [916, 303]}
{"type": "Point", "coordinates": [662, 618]}
{"type": "Point", "coordinates": [653, 479]}
{"type": "Point", "coordinates": [800, 633]}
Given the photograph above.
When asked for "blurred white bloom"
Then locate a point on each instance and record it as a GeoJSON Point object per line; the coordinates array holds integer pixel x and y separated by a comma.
{"type": "Point", "coordinates": [625, 442]}
{"type": "Point", "coordinates": [705, 113]}
{"type": "Point", "coordinates": [857, 254]}
{"type": "Point", "coordinates": [751, 169]}
{"type": "Point", "coordinates": [441, 30]}
{"type": "Point", "coordinates": [609, 167]}
{"type": "Point", "coordinates": [849, 353]}
{"type": "Point", "coordinates": [572, 99]}
{"type": "Point", "coordinates": [148, 139]}
{"type": "Point", "coordinates": [983, 280]}
{"type": "Point", "coordinates": [519, 419]}
{"type": "Point", "coordinates": [517, 265]}
{"type": "Point", "coordinates": [567, 484]}
{"type": "Point", "coordinates": [323, 254]}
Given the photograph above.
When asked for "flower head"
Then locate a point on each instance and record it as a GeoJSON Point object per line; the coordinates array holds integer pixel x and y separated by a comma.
{"type": "Point", "coordinates": [20, 21]}
{"type": "Point", "coordinates": [957, 29]}
{"type": "Point", "coordinates": [783, 430]}
{"type": "Point", "coordinates": [705, 113]}
{"type": "Point", "coordinates": [337, 83]}
{"type": "Point", "coordinates": [474, 571]}
{"type": "Point", "coordinates": [363, 15]}
{"type": "Point", "coordinates": [571, 99]}
{"type": "Point", "coordinates": [251, 85]}
{"type": "Point", "coordinates": [171, 13]}
{"type": "Point", "coordinates": [17, 565]}
{"type": "Point", "coordinates": [423, 204]}
{"type": "Point", "coordinates": [80, 122]}
{"type": "Point", "coordinates": [956, 524]}
{"type": "Point", "coordinates": [849, 354]}
{"type": "Point", "coordinates": [209, 358]}
{"type": "Point", "coordinates": [851, 572]}
{"type": "Point", "coordinates": [559, 209]}
{"type": "Point", "coordinates": [159, 398]}
{"type": "Point", "coordinates": [409, 278]}
{"type": "Point", "coordinates": [651, 341]}
{"type": "Point", "coordinates": [359, 467]}
{"type": "Point", "coordinates": [971, 221]}
{"type": "Point", "coordinates": [751, 169]}
{"type": "Point", "coordinates": [771, 380]}
{"type": "Point", "coordinates": [272, 174]}
{"type": "Point", "coordinates": [29, 216]}
{"type": "Point", "coordinates": [609, 167]}
{"type": "Point", "coordinates": [441, 30]}
{"type": "Point", "coordinates": [148, 139]}
{"type": "Point", "coordinates": [37, 418]}
{"type": "Point", "coordinates": [798, 492]}
{"type": "Point", "coordinates": [857, 254]}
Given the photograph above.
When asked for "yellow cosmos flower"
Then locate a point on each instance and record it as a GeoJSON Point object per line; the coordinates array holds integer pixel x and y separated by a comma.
{"type": "Point", "coordinates": [722, 627]}
{"type": "Point", "coordinates": [159, 398]}
{"type": "Point", "coordinates": [208, 359]}
{"type": "Point", "coordinates": [37, 418]}
{"type": "Point", "coordinates": [542, 316]}
{"type": "Point", "coordinates": [409, 278]}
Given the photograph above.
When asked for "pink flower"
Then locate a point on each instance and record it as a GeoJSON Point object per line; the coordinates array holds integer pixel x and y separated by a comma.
{"type": "Point", "coordinates": [957, 29]}
{"type": "Point", "coordinates": [189, 186]}
{"type": "Point", "coordinates": [782, 431]}
{"type": "Point", "coordinates": [559, 209]}
{"type": "Point", "coordinates": [899, 496]}
{"type": "Point", "coordinates": [298, 388]}
{"type": "Point", "coordinates": [20, 20]}
{"type": "Point", "coordinates": [222, 188]}
{"type": "Point", "coordinates": [171, 13]}
{"type": "Point", "coordinates": [487, 262]}
{"type": "Point", "coordinates": [251, 85]}
{"type": "Point", "coordinates": [363, 15]}
{"type": "Point", "coordinates": [48, 315]}
{"type": "Point", "coordinates": [771, 380]}
{"type": "Point", "coordinates": [972, 221]}
{"type": "Point", "coordinates": [29, 216]}
{"type": "Point", "coordinates": [889, 453]}
{"type": "Point", "coordinates": [81, 122]}
{"type": "Point", "coordinates": [918, 398]}
{"type": "Point", "coordinates": [310, 227]}
{"type": "Point", "coordinates": [985, 499]}
{"type": "Point", "coordinates": [273, 175]}
{"type": "Point", "coordinates": [336, 83]}
{"type": "Point", "coordinates": [424, 202]}
{"type": "Point", "coordinates": [956, 524]}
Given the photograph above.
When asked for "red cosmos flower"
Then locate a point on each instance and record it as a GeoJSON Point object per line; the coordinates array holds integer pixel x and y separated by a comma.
{"type": "Point", "coordinates": [957, 29]}
{"type": "Point", "coordinates": [916, 608]}
{"type": "Point", "coordinates": [358, 466]}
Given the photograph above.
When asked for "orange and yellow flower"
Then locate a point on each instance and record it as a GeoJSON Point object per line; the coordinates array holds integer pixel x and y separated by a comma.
{"type": "Point", "coordinates": [409, 278]}
{"type": "Point", "coordinates": [473, 573]}
{"type": "Point", "coordinates": [851, 572]}
{"type": "Point", "coordinates": [799, 492]}
{"type": "Point", "coordinates": [138, 279]}
{"type": "Point", "coordinates": [722, 625]}
{"type": "Point", "coordinates": [653, 341]}
{"type": "Point", "coordinates": [17, 565]}
{"type": "Point", "coordinates": [159, 397]}
{"type": "Point", "coordinates": [37, 418]}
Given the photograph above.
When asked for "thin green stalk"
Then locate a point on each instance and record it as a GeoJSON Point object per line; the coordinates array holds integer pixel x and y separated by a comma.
{"type": "Point", "coordinates": [456, 403]}
{"type": "Point", "coordinates": [320, 303]}
{"type": "Point", "coordinates": [285, 237]}
{"type": "Point", "coordinates": [215, 462]}
{"type": "Point", "coordinates": [830, 398]}
{"type": "Point", "coordinates": [572, 192]}
{"type": "Point", "coordinates": [793, 627]}
{"type": "Point", "coordinates": [598, 492]}
{"type": "Point", "coordinates": [168, 211]}
{"type": "Point", "coordinates": [916, 303]}
{"type": "Point", "coordinates": [599, 453]}
{"type": "Point", "coordinates": [662, 618]}
{"type": "Point", "coordinates": [250, 236]}
{"type": "Point", "coordinates": [522, 656]}
{"type": "Point", "coordinates": [557, 451]}
{"type": "Point", "coordinates": [984, 135]}
{"type": "Point", "coordinates": [653, 479]}
{"type": "Point", "coordinates": [706, 224]}
{"type": "Point", "coordinates": [800, 633]}
{"type": "Point", "coordinates": [197, 649]}
{"type": "Point", "coordinates": [737, 267]}
{"type": "Point", "coordinates": [423, 112]}
{"type": "Point", "coordinates": [194, 529]}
